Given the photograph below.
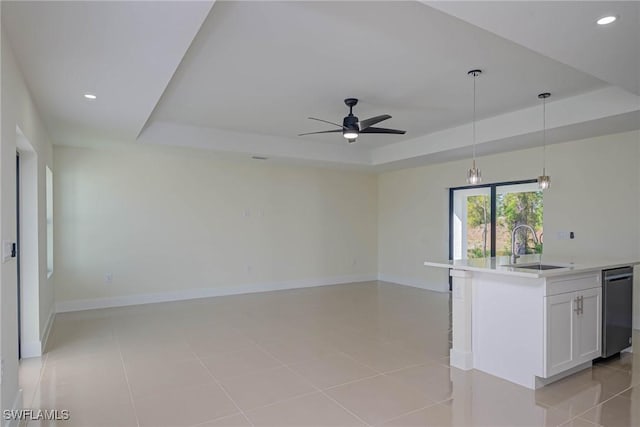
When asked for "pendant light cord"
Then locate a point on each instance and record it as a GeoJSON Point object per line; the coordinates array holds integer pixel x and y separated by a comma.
{"type": "Point", "coordinates": [544, 135]}
{"type": "Point", "coordinates": [475, 76]}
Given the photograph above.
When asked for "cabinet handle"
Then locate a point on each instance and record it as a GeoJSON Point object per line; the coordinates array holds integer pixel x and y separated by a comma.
{"type": "Point", "coordinates": [581, 300]}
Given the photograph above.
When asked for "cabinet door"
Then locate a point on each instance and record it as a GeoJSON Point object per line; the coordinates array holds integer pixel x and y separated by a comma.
{"type": "Point", "coordinates": [560, 332]}
{"type": "Point", "coordinates": [589, 325]}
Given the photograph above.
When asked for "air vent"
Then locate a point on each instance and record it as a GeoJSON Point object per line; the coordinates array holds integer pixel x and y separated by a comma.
{"type": "Point", "coordinates": [259, 158]}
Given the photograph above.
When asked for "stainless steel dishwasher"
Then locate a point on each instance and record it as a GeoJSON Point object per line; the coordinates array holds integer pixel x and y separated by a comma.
{"type": "Point", "coordinates": [617, 300]}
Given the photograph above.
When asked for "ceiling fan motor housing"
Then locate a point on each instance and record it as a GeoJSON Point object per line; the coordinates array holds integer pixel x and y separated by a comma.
{"type": "Point", "coordinates": [351, 122]}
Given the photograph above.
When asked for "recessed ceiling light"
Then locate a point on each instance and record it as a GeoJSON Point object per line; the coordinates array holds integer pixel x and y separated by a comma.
{"type": "Point", "coordinates": [90, 96]}
{"type": "Point", "coordinates": [606, 20]}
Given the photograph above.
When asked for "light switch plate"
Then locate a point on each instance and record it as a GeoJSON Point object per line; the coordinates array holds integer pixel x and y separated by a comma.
{"type": "Point", "coordinates": [7, 248]}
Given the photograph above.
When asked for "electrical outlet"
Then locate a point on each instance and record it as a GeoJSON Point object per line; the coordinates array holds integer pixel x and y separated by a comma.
{"type": "Point", "coordinates": [108, 278]}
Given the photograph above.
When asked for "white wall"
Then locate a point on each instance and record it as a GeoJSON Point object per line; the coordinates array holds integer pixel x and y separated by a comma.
{"type": "Point", "coordinates": [18, 110]}
{"type": "Point", "coordinates": [595, 192]}
{"type": "Point", "coordinates": [174, 222]}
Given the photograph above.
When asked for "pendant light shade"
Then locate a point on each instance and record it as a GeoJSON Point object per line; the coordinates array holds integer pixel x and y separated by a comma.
{"type": "Point", "coordinates": [544, 180]}
{"type": "Point", "coordinates": [474, 176]}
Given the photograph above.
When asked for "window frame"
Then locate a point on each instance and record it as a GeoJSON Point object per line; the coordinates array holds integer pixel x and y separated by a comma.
{"type": "Point", "coordinates": [492, 186]}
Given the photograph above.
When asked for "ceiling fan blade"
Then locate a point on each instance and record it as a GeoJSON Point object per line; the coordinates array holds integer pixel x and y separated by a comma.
{"type": "Point", "coordinates": [324, 131]}
{"type": "Point", "coordinates": [383, 130]}
{"type": "Point", "coordinates": [364, 124]}
{"type": "Point", "coordinates": [325, 121]}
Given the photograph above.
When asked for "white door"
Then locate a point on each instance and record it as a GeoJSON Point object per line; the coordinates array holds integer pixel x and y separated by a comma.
{"type": "Point", "coordinates": [560, 337]}
{"type": "Point", "coordinates": [589, 325]}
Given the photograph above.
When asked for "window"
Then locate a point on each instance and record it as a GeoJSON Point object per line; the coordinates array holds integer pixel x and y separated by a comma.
{"type": "Point", "coordinates": [49, 197]}
{"type": "Point", "coordinates": [482, 219]}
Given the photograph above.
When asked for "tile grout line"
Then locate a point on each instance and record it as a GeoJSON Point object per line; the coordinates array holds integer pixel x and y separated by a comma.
{"type": "Point", "coordinates": [126, 377]}
{"type": "Point", "coordinates": [619, 394]}
{"type": "Point", "coordinates": [315, 387]}
{"type": "Point", "coordinates": [378, 373]}
{"type": "Point", "coordinates": [224, 390]}
{"type": "Point", "coordinates": [428, 362]}
{"type": "Point", "coordinates": [384, 374]}
{"type": "Point", "coordinates": [318, 389]}
{"type": "Point", "coordinates": [352, 382]}
{"type": "Point", "coordinates": [345, 408]}
{"type": "Point", "coordinates": [221, 418]}
{"type": "Point", "coordinates": [288, 365]}
{"type": "Point", "coordinates": [309, 393]}
{"type": "Point", "coordinates": [392, 371]}
{"type": "Point", "coordinates": [195, 356]}
{"type": "Point", "coordinates": [37, 386]}
{"type": "Point", "coordinates": [411, 412]}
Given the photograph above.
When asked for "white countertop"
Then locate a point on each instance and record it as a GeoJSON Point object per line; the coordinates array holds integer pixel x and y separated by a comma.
{"type": "Point", "coordinates": [502, 265]}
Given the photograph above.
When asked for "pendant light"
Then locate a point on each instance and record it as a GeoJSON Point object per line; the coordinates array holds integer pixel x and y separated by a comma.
{"type": "Point", "coordinates": [474, 176]}
{"type": "Point", "coordinates": [544, 180]}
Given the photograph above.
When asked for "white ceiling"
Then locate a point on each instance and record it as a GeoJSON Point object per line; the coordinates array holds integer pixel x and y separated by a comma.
{"type": "Point", "coordinates": [565, 31]}
{"type": "Point", "coordinates": [247, 74]}
{"type": "Point", "coordinates": [124, 52]}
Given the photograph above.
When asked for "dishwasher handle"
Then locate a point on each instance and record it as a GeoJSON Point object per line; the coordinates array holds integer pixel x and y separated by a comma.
{"type": "Point", "coordinates": [617, 277]}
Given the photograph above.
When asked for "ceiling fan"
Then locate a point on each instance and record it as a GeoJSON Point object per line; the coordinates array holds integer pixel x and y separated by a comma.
{"type": "Point", "coordinates": [352, 126]}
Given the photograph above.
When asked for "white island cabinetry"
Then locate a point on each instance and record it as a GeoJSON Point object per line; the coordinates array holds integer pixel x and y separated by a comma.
{"type": "Point", "coordinates": [572, 323]}
{"type": "Point", "coordinates": [528, 326]}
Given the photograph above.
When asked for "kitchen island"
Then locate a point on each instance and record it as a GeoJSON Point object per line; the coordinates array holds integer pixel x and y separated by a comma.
{"type": "Point", "coordinates": [523, 323]}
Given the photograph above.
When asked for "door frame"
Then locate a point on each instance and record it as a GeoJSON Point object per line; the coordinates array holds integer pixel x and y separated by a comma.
{"type": "Point", "coordinates": [19, 308]}
{"type": "Point", "coordinates": [28, 249]}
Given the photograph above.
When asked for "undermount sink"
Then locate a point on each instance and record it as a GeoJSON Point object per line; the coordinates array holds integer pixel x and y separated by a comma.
{"type": "Point", "coordinates": [536, 266]}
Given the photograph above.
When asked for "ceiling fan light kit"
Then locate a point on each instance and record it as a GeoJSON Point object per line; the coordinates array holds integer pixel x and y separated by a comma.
{"type": "Point", "coordinates": [352, 127]}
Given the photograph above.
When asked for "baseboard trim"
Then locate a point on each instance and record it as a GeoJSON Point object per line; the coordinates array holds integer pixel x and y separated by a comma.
{"type": "Point", "coordinates": [122, 301]}
{"type": "Point", "coordinates": [461, 360]}
{"type": "Point", "coordinates": [36, 348]}
{"type": "Point", "coordinates": [47, 329]}
{"type": "Point", "coordinates": [17, 405]}
{"type": "Point", "coordinates": [414, 283]}
{"type": "Point", "coordinates": [30, 349]}
{"type": "Point", "coordinates": [541, 382]}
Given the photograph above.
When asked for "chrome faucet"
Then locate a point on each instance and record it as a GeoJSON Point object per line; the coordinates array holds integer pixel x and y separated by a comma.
{"type": "Point", "coordinates": [515, 256]}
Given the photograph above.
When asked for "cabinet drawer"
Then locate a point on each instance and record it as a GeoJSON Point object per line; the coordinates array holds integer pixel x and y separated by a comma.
{"type": "Point", "coordinates": [561, 285]}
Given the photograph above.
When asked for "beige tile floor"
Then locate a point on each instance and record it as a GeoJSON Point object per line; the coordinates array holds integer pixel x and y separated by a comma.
{"type": "Point", "coordinates": [346, 355]}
